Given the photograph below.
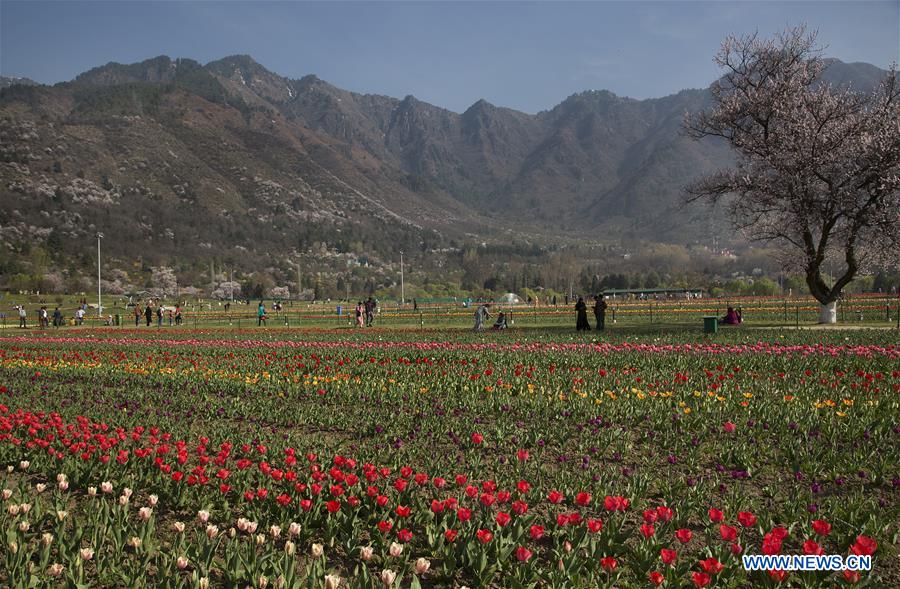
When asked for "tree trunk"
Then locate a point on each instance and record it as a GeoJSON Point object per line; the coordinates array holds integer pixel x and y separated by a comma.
{"type": "Point", "coordinates": [828, 313]}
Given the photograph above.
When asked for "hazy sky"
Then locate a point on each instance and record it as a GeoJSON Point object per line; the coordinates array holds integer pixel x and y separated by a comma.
{"type": "Point", "coordinates": [528, 56]}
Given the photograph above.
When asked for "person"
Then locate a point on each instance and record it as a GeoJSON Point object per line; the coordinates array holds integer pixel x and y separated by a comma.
{"type": "Point", "coordinates": [79, 316]}
{"type": "Point", "coordinates": [260, 314]}
{"type": "Point", "coordinates": [500, 323]}
{"type": "Point", "coordinates": [159, 316]}
{"type": "Point", "coordinates": [170, 316]}
{"type": "Point", "coordinates": [178, 315]}
{"type": "Point", "coordinates": [415, 305]}
{"type": "Point", "coordinates": [360, 310]}
{"type": "Point", "coordinates": [57, 318]}
{"type": "Point", "coordinates": [148, 314]}
{"type": "Point", "coordinates": [600, 312]}
{"type": "Point", "coordinates": [137, 315]}
{"type": "Point", "coordinates": [42, 316]}
{"type": "Point", "coordinates": [23, 317]}
{"type": "Point", "coordinates": [481, 315]}
{"type": "Point", "coordinates": [581, 323]}
{"type": "Point", "coordinates": [732, 317]}
{"type": "Point", "coordinates": [370, 311]}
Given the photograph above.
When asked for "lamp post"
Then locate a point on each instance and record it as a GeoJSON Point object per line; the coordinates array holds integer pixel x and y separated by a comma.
{"type": "Point", "coordinates": [402, 289]}
{"type": "Point", "coordinates": [99, 300]}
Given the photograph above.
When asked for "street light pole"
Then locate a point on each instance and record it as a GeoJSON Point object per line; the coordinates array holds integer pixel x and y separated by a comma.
{"type": "Point", "coordinates": [99, 299]}
{"type": "Point", "coordinates": [231, 283]}
{"type": "Point", "coordinates": [402, 289]}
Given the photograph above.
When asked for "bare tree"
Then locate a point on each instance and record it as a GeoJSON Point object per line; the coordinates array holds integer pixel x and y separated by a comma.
{"type": "Point", "coordinates": [818, 169]}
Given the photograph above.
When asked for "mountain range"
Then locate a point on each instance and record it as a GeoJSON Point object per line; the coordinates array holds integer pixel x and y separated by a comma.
{"type": "Point", "coordinates": [170, 157]}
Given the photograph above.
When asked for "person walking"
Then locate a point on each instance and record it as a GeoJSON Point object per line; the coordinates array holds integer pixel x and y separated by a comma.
{"type": "Point", "coordinates": [370, 311]}
{"type": "Point", "coordinates": [482, 314]}
{"type": "Point", "coordinates": [360, 310]}
{"type": "Point", "coordinates": [178, 315]}
{"type": "Point", "coordinates": [57, 318]}
{"type": "Point", "coordinates": [79, 316]}
{"type": "Point", "coordinates": [148, 315]}
{"type": "Point", "coordinates": [23, 317]}
{"type": "Point", "coordinates": [159, 316]}
{"type": "Point", "coordinates": [581, 324]}
{"type": "Point", "coordinates": [260, 314]}
{"type": "Point", "coordinates": [137, 315]}
{"type": "Point", "coordinates": [600, 312]}
{"type": "Point", "coordinates": [43, 318]}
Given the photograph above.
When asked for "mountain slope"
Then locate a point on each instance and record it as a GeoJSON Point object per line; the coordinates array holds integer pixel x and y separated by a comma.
{"type": "Point", "coordinates": [174, 158]}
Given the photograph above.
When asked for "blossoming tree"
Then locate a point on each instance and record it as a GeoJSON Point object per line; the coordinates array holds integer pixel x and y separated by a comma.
{"type": "Point", "coordinates": [818, 167]}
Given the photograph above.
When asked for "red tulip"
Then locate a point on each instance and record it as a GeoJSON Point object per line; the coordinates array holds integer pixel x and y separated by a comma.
{"type": "Point", "coordinates": [555, 497]}
{"type": "Point", "coordinates": [583, 499]}
{"type": "Point", "coordinates": [484, 536]}
{"type": "Point", "coordinates": [647, 530]}
{"type": "Point", "coordinates": [523, 486]}
{"type": "Point", "coordinates": [402, 511]}
{"type": "Point", "coordinates": [477, 438]}
{"type": "Point", "coordinates": [684, 535]}
{"type": "Point", "coordinates": [404, 535]}
{"type": "Point", "coordinates": [385, 526]}
{"type": "Point", "coordinates": [522, 455]}
{"type": "Point", "coordinates": [778, 575]}
{"type": "Point", "coordinates": [728, 427]}
{"type": "Point", "coordinates": [851, 577]}
{"type": "Point", "coordinates": [523, 554]}
{"type": "Point", "coordinates": [728, 533]}
{"type": "Point", "coordinates": [650, 516]}
{"type": "Point", "coordinates": [780, 533]}
{"type": "Point", "coordinates": [502, 519]}
{"type": "Point", "coordinates": [665, 513]}
{"type": "Point", "coordinates": [656, 578]}
{"type": "Point", "coordinates": [700, 579]}
{"type": "Point", "coordinates": [463, 514]}
{"type": "Point", "coordinates": [333, 506]}
{"type": "Point", "coordinates": [746, 519]}
{"type": "Point", "coordinates": [771, 544]}
{"type": "Point", "coordinates": [715, 515]}
{"type": "Point", "coordinates": [436, 506]}
{"type": "Point", "coordinates": [711, 566]}
{"type": "Point", "coordinates": [519, 507]}
{"type": "Point", "coordinates": [536, 532]}
{"type": "Point", "coordinates": [811, 547]}
{"type": "Point", "coordinates": [736, 549]}
{"type": "Point", "coordinates": [608, 563]}
{"type": "Point", "coordinates": [821, 527]}
{"type": "Point", "coordinates": [864, 546]}
{"type": "Point", "coordinates": [450, 535]}
{"type": "Point", "coordinates": [594, 525]}
{"type": "Point", "coordinates": [668, 556]}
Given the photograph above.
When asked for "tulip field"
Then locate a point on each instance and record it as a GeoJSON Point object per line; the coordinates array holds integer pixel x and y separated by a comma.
{"type": "Point", "coordinates": [425, 458]}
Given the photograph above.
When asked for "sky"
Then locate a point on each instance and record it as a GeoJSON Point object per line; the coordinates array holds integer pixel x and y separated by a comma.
{"type": "Point", "coordinates": [524, 55]}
